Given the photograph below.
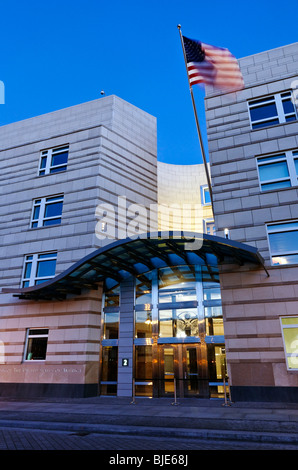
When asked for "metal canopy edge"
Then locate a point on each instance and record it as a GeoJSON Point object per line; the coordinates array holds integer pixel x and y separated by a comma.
{"type": "Point", "coordinates": [137, 255]}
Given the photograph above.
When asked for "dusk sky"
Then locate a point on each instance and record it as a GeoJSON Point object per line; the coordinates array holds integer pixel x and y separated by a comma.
{"type": "Point", "coordinates": [61, 53]}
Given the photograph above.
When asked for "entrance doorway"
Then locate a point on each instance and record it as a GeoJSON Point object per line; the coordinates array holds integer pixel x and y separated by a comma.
{"type": "Point", "coordinates": [189, 371]}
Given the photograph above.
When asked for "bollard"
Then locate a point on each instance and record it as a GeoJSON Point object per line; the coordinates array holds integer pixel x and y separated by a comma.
{"type": "Point", "coordinates": [133, 402]}
{"type": "Point", "coordinates": [225, 389]}
{"type": "Point", "coordinates": [175, 394]}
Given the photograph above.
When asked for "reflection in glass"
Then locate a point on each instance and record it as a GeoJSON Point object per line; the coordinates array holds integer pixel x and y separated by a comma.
{"type": "Point", "coordinates": [178, 323]}
{"type": "Point", "coordinates": [111, 325]}
{"type": "Point", "coordinates": [177, 284]}
{"type": "Point", "coordinates": [112, 296]}
{"type": "Point", "coordinates": [143, 363]}
{"type": "Point", "coordinates": [110, 363]}
{"type": "Point", "coordinates": [143, 324]}
{"type": "Point", "coordinates": [143, 371]}
{"type": "Point", "coordinates": [37, 345]}
{"type": "Point", "coordinates": [263, 112]}
{"type": "Point", "coordinates": [284, 241]}
{"type": "Point", "coordinates": [273, 171]}
{"type": "Point", "coordinates": [212, 292]}
{"type": "Point", "coordinates": [109, 370]}
{"type": "Point", "coordinates": [143, 290]}
{"type": "Point", "coordinates": [217, 362]}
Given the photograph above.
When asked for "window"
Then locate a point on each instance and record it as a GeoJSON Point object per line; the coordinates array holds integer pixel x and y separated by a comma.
{"type": "Point", "coordinates": [111, 325]}
{"type": "Point", "coordinates": [209, 227]}
{"type": "Point", "coordinates": [38, 268]}
{"type": "Point", "coordinates": [36, 345]}
{"type": "Point", "coordinates": [289, 326]}
{"type": "Point", "coordinates": [178, 323]}
{"type": "Point", "coordinates": [275, 109]}
{"type": "Point", "coordinates": [205, 196]}
{"type": "Point", "coordinates": [278, 171]}
{"type": "Point", "coordinates": [108, 385]}
{"type": "Point", "coordinates": [143, 324]}
{"type": "Point", "coordinates": [47, 211]}
{"type": "Point", "coordinates": [53, 160]}
{"type": "Point", "coordinates": [177, 286]}
{"type": "Point", "coordinates": [283, 242]}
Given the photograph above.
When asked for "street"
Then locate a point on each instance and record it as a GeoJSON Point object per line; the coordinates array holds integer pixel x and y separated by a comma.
{"type": "Point", "coordinates": [30, 439]}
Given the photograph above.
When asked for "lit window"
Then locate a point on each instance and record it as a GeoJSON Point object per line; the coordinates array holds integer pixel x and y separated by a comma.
{"type": "Point", "coordinates": [178, 323]}
{"type": "Point", "coordinates": [275, 109]}
{"type": "Point", "coordinates": [38, 268]}
{"type": "Point", "coordinates": [278, 171]}
{"type": "Point", "coordinates": [47, 211]}
{"type": "Point", "coordinates": [53, 160]}
{"type": "Point", "coordinates": [36, 345]}
{"type": "Point", "coordinates": [283, 242]}
{"type": "Point", "coordinates": [205, 196]}
{"type": "Point", "coordinates": [289, 326]}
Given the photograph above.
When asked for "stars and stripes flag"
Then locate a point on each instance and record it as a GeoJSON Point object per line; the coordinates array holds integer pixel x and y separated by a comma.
{"type": "Point", "coordinates": [212, 65]}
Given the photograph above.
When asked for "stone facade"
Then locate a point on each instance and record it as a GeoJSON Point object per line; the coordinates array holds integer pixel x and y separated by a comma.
{"type": "Point", "coordinates": [112, 155]}
{"type": "Point", "coordinates": [254, 303]}
{"type": "Point", "coordinates": [181, 198]}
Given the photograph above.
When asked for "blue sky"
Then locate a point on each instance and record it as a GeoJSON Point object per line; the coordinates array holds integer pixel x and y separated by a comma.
{"type": "Point", "coordinates": [56, 54]}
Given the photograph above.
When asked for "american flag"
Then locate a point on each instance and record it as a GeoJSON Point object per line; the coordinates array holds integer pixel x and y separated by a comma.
{"type": "Point", "coordinates": [212, 65]}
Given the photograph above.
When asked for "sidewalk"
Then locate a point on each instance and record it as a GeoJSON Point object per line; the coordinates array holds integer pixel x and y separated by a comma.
{"type": "Point", "coordinates": [259, 422]}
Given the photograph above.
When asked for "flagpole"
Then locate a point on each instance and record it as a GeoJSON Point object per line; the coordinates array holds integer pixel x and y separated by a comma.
{"type": "Point", "coordinates": [197, 120]}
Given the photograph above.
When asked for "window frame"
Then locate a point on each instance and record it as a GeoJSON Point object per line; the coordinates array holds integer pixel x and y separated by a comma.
{"type": "Point", "coordinates": [278, 99]}
{"type": "Point", "coordinates": [287, 355]}
{"type": "Point", "coordinates": [204, 189]}
{"type": "Point", "coordinates": [34, 259]}
{"type": "Point", "coordinates": [288, 156]}
{"type": "Point", "coordinates": [42, 203]}
{"type": "Point", "coordinates": [284, 252]}
{"type": "Point", "coordinates": [209, 223]}
{"type": "Point", "coordinates": [30, 335]}
{"type": "Point", "coordinates": [47, 156]}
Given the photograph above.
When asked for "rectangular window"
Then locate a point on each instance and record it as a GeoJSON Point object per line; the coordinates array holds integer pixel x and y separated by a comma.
{"type": "Point", "coordinates": [111, 325]}
{"type": "Point", "coordinates": [278, 171]}
{"type": "Point", "coordinates": [36, 345]}
{"type": "Point", "coordinates": [289, 326]}
{"type": "Point", "coordinates": [109, 372]}
{"type": "Point", "coordinates": [178, 323]}
{"type": "Point", "coordinates": [143, 324]}
{"type": "Point", "coordinates": [205, 196]}
{"type": "Point", "coordinates": [209, 227]}
{"type": "Point", "coordinates": [272, 110]}
{"type": "Point", "coordinates": [283, 242]}
{"type": "Point", "coordinates": [53, 160]}
{"type": "Point", "coordinates": [47, 211]}
{"type": "Point", "coordinates": [38, 268]}
{"type": "Point", "coordinates": [112, 296]}
{"type": "Point", "coordinates": [143, 371]}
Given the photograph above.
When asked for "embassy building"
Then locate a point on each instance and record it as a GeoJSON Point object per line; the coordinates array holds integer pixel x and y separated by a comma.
{"type": "Point", "coordinates": [119, 278]}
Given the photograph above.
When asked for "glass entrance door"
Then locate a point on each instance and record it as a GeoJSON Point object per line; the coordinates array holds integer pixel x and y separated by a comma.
{"type": "Point", "coordinates": [182, 370]}
{"type": "Point", "coordinates": [190, 371]}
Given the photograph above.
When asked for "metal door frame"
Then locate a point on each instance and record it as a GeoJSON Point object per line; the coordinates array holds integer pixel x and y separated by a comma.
{"type": "Point", "coordinates": [180, 372]}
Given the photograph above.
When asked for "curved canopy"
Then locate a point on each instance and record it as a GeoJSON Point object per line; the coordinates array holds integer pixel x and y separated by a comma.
{"type": "Point", "coordinates": [136, 256]}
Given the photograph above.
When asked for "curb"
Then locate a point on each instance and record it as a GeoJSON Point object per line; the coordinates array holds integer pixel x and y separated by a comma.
{"type": "Point", "coordinates": [79, 428]}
